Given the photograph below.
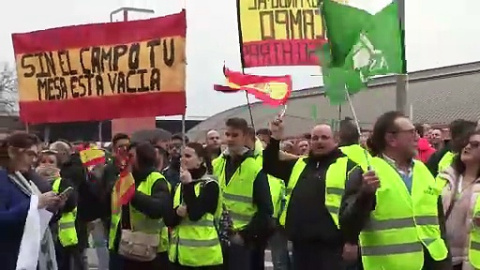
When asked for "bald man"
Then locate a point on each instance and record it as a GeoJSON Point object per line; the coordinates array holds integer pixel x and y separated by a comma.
{"type": "Point", "coordinates": [214, 143]}
{"type": "Point", "coordinates": [315, 186]}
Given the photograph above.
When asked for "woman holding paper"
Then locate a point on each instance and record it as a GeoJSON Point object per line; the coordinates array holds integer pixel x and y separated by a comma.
{"type": "Point", "coordinates": [26, 241]}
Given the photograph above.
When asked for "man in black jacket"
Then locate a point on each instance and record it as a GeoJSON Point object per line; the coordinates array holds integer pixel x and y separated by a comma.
{"type": "Point", "coordinates": [393, 143]}
{"type": "Point", "coordinates": [458, 130]}
{"type": "Point", "coordinates": [317, 241]}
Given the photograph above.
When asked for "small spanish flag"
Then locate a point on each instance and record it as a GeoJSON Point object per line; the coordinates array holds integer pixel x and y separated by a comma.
{"type": "Point", "coordinates": [92, 156]}
{"type": "Point", "coordinates": [123, 190]}
{"type": "Point", "coordinates": [272, 90]}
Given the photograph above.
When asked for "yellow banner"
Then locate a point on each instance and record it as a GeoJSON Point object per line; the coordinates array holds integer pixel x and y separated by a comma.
{"type": "Point", "coordinates": [146, 66]}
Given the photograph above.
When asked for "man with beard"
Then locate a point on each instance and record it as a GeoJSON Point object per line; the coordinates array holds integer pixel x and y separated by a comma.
{"type": "Point", "coordinates": [315, 185]}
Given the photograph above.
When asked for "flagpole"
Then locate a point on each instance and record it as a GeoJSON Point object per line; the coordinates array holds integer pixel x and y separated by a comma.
{"type": "Point", "coordinates": [357, 124]}
{"type": "Point", "coordinates": [240, 39]}
{"type": "Point", "coordinates": [184, 129]}
{"type": "Point", "coordinates": [401, 89]}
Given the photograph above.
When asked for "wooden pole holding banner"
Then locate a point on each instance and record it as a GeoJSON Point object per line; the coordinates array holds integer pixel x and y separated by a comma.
{"type": "Point", "coordinates": [401, 87]}
{"type": "Point", "coordinates": [100, 131]}
{"type": "Point", "coordinates": [46, 134]}
{"type": "Point", "coordinates": [184, 128]}
{"type": "Point", "coordinates": [27, 129]}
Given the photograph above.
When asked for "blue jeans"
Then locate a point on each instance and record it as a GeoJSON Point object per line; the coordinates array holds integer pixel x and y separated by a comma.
{"type": "Point", "coordinates": [100, 244]}
{"type": "Point", "coordinates": [279, 247]}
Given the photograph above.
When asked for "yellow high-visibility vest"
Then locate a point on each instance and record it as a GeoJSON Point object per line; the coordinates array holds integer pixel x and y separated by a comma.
{"type": "Point", "coordinates": [403, 223]}
{"type": "Point", "coordinates": [67, 233]}
{"type": "Point", "coordinates": [446, 161]}
{"type": "Point", "coordinates": [474, 247]}
{"type": "Point", "coordinates": [357, 154]}
{"type": "Point", "coordinates": [140, 222]}
{"type": "Point", "coordinates": [334, 186]}
{"type": "Point", "coordinates": [277, 189]}
{"type": "Point", "coordinates": [238, 193]}
{"type": "Point", "coordinates": [196, 243]}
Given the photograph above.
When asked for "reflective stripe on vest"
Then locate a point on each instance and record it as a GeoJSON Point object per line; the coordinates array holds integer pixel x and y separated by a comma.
{"type": "Point", "coordinates": [402, 223]}
{"type": "Point", "coordinates": [277, 189]}
{"type": "Point", "coordinates": [164, 234]}
{"type": "Point", "coordinates": [474, 249]}
{"type": "Point", "coordinates": [446, 161]}
{"type": "Point", "coordinates": [334, 186]}
{"type": "Point", "coordinates": [237, 194]}
{"type": "Point", "coordinates": [138, 221]}
{"type": "Point", "coordinates": [196, 243]}
{"type": "Point", "coordinates": [357, 154]}
{"type": "Point", "coordinates": [67, 233]}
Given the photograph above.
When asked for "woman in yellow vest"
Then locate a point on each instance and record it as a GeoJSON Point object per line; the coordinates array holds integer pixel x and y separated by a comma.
{"type": "Point", "coordinates": [135, 239]}
{"type": "Point", "coordinates": [197, 201]}
{"type": "Point", "coordinates": [68, 253]}
{"type": "Point", "coordinates": [461, 202]}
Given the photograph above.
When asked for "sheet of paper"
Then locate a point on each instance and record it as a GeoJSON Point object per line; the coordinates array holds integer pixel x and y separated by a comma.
{"type": "Point", "coordinates": [45, 217]}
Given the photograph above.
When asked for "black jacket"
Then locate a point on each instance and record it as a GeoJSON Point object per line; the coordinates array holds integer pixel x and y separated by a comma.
{"type": "Point", "coordinates": [260, 226]}
{"type": "Point", "coordinates": [74, 171]}
{"type": "Point", "coordinates": [308, 219]}
{"type": "Point", "coordinates": [355, 212]}
{"type": "Point", "coordinates": [432, 163]}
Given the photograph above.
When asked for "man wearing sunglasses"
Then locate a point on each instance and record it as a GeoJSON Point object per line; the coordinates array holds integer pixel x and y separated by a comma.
{"type": "Point", "coordinates": [172, 171]}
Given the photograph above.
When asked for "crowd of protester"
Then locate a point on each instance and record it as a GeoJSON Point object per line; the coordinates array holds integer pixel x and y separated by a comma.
{"type": "Point", "coordinates": [313, 200]}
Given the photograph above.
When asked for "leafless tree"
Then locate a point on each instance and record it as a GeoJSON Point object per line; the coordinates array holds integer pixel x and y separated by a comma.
{"type": "Point", "coordinates": [8, 90]}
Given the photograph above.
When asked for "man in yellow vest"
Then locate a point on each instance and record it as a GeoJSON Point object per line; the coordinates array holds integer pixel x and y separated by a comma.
{"type": "Point", "coordinates": [349, 144]}
{"type": "Point", "coordinates": [315, 186]}
{"type": "Point", "coordinates": [246, 194]}
{"type": "Point", "coordinates": [278, 242]}
{"type": "Point", "coordinates": [443, 158]}
{"type": "Point", "coordinates": [395, 209]}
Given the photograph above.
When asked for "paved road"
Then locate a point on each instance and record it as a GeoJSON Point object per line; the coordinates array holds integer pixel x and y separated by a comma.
{"type": "Point", "coordinates": [93, 261]}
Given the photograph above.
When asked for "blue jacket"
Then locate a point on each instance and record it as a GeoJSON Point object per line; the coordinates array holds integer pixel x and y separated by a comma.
{"type": "Point", "coordinates": [14, 205]}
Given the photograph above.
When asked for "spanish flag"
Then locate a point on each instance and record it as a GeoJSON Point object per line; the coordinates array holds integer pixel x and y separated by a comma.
{"type": "Point", "coordinates": [123, 190]}
{"type": "Point", "coordinates": [272, 90]}
{"type": "Point", "coordinates": [92, 156]}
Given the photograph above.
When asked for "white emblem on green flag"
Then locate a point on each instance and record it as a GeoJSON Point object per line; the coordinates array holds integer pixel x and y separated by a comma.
{"type": "Point", "coordinates": [364, 40]}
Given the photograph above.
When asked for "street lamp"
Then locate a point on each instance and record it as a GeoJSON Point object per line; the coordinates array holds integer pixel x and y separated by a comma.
{"type": "Point", "coordinates": [125, 11]}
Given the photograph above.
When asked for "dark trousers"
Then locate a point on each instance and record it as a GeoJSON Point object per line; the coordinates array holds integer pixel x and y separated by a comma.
{"type": "Point", "coordinates": [258, 257]}
{"type": "Point", "coordinates": [176, 266]}
{"type": "Point", "coordinates": [70, 258]}
{"type": "Point", "coordinates": [315, 256]}
{"type": "Point", "coordinates": [118, 262]}
{"type": "Point", "coordinates": [236, 257]}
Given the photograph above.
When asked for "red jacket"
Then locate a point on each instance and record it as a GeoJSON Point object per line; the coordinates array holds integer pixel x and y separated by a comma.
{"type": "Point", "coordinates": [425, 150]}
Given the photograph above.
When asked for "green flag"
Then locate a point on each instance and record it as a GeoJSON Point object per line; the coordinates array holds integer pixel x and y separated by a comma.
{"type": "Point", "coordinates": [364, 40]}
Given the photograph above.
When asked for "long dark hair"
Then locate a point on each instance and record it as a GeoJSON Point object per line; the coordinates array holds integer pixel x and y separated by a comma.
{"type": "Point", "coordinates": [202, 153]}
{"type": "Point", "coordinates": [19, 140]}
{"type": "Point", "coordinates": [457, 163]}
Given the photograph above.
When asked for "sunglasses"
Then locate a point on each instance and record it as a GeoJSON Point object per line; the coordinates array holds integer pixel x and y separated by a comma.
{"type": "Point", "coordinates": [474, 144]}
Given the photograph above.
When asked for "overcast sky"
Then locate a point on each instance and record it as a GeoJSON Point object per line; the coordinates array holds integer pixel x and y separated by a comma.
{"type": "Point", "coordinates": [438, 33]}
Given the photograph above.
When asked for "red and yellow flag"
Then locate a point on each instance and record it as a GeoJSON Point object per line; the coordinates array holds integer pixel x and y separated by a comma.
{"type": "Point", "coordinates": [92, 156]}
{"type": "Point", "coordinates": [123, 190]}
{"type": "Point", "coordinates": [102, 71]}
{"type": "Point", "coordinates": [272, 90]}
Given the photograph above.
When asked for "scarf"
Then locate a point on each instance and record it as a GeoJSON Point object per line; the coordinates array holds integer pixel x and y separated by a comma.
{"type": "Point", "coordinates": [35, 244]}
{"type": "Point", "coordinates": [48, 172]}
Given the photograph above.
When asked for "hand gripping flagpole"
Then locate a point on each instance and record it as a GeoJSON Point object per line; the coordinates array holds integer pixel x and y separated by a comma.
{"type": "Point", "coordinates": [357, 124]}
